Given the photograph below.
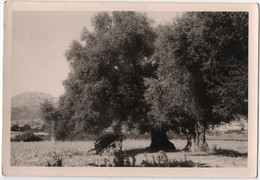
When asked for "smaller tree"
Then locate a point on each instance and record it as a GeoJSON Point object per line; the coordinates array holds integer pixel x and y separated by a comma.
{"type": "Point", "coordinates": [51, 116]}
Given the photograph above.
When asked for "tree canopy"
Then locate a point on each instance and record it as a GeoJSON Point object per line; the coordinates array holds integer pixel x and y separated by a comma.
{"type": "Point", "coordinates": [183, 76]}
{"type": "Point", "coordinates": [202, 74]}
{"type": "Point", "coordinates": [214, 48]}
{"type": "Point", "coordinates": [105, 85]}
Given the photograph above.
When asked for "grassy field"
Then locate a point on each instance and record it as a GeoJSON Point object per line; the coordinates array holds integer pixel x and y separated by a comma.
{"type": "Point", "coordinates": [226, 152]}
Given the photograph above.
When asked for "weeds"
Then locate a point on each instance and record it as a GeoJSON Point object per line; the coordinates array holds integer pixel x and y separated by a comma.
{"type": "Point", "coordinates": [56, 161]}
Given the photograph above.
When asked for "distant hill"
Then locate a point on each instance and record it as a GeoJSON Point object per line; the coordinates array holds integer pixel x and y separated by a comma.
{"type": "Point", "coordinates": [25, 108]}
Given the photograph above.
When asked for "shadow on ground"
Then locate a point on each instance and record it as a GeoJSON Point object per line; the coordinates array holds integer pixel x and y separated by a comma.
{"type": "Point", "coordinates": [221, 152]}
{"type": "Point", "coordinates": [134, 152]}
{"type": "Point", "coordinates": [170, 162]}
{"type": "Point", "coordinates": [174, 163]}
{"type": "Point", "coordinates": [228, 153]}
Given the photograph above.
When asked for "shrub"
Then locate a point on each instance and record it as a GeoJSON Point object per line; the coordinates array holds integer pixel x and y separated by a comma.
{"type": "Point", "coordinates": [56, 161]}
{"type": "Point", "coordinates": [15, 127]}
{"type": "Point", "coordinates": [28, 136]}
{"type": "Point", "coordinates": [26, 127]}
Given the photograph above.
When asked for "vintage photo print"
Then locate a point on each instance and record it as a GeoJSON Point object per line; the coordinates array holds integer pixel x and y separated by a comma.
{"type": "Point", "coordinates": [130, 89]}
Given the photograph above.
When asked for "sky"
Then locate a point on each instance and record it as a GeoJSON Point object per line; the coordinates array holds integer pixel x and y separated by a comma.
{"type": "Point", "coordinates": [39, 43]}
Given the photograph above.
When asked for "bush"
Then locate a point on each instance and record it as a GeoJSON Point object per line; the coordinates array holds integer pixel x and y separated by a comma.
{"type": "Point", "coordinates": [26, 127]}
{"type": "Point", "coordinates": [27, 137]}
{"type": "Point", "coordinates": [56, 161]}
{"type": "Point", "coordinates": [15, 127]}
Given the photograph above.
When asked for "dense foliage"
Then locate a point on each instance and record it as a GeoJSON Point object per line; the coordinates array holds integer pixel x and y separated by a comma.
{"type": "Point", "coordinates": [105, 86]}
{"type": "Point", "coordinates": [213, 47]}
{"type": "Point", "coordinates": [202, 77]}
{"type": "Point", "coordinates": [184, 76]}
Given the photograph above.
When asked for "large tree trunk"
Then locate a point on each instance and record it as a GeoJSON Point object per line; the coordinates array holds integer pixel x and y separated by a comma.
{"type": "Point", "coordinates": [202, 102]}
{"type": "Point", "coordinates": [160, 141]}
{"type": "Point", "coordinates": [197, 142]}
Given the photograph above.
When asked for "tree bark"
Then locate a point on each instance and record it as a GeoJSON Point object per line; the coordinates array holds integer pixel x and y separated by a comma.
{"type": "Point", "coordinates": [189, 143]}
{"type": "Point", "coordinates": [160, 141]}
{"type": "Point", "coordinates": [202, 102]}
{"type": "Point", "coordinates": [197, 142]}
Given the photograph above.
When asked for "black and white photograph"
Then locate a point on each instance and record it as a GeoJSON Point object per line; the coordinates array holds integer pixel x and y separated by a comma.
{"type": "Point", "coordinates": [129, 88]}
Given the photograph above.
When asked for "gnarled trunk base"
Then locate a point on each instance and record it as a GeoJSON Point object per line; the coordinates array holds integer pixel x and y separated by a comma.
{"type": "Point", "coordinates": [160, 141]}
{"type": "Point", "coordinates": [188, 145]}
{"type": "Point", "coordinates": [193, 146]}
{"type": "Point", "coordinates": [196, 144]}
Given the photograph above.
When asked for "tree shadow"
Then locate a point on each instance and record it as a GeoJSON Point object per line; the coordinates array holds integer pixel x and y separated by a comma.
{"type": "Point", "coordinates": [188, 164]}
{"type": "Point", "coordinates": [228, 153]}
{"type": "Point", "coordinates": [221, 152]}
{"type": "Point", "coordinates": [170, 163]}
{"type": "Point", "coordinates": [134, 152]}
{"type": "Point", "coordinates": [174, 163]}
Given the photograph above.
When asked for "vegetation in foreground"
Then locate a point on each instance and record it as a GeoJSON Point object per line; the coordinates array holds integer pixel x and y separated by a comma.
{"type": "Point", "coordinates": [222, 153]}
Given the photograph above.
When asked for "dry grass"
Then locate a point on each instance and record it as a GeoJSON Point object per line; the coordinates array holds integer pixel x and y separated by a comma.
{"type": "Point", "coordinates": [231, 153]}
